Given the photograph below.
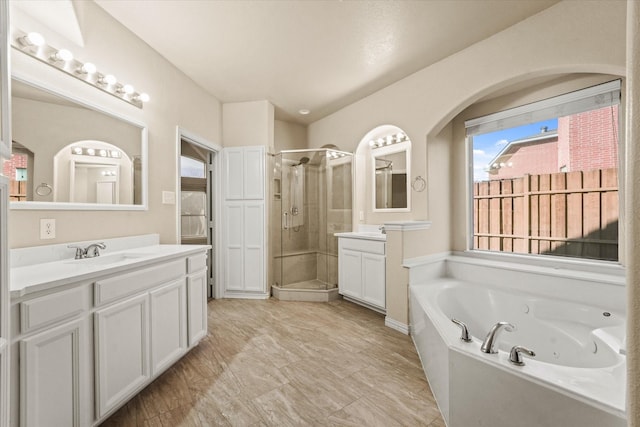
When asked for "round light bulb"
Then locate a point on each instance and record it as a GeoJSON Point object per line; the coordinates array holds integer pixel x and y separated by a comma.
{"type": "Point", "coordinates": [91, 151]}
{"type": "Point", "coordinates": [144, 97]}
{"type": "Point", "coordinates": [128, 89]}
{"type": "Point", "coordinates": [103, 153]}
{"type": "Point", "coordinates": [62, 55]}
{"type": "Point", "coordinates": [110, 79]}
{"type": "Point", "coordinates": [77, 150]}
{"type": "Point", "coordinates": [88, 68]}
{"type": "Point", "coordinates": [33, 39]}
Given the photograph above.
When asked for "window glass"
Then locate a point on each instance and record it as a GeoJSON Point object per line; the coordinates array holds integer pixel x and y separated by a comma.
{"type": "Point", "coordinates": [549, 187]}
{"type": "Point", "coordinates": [192, 168]}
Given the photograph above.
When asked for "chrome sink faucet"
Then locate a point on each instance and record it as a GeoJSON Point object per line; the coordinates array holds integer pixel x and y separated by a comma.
{"type": "Point", "coordinates": [490, 342]}
{"type": "Point", "coordinates": [91, 251]}
{"type": "Point", "coordinates": [382, 229]}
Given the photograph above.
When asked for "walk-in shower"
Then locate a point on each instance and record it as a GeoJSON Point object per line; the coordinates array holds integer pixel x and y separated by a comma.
{"type": "Point", "coordinates": [311, 200]}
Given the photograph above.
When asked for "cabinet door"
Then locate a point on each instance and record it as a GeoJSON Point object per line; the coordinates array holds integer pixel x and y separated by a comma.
{"type": "Point", "coordinates": [254, 182]}
{"type": "Point", "coordinates": [234, 246]}
{"type": "Point", "coordinates": [52, 388]}
{"type": "Point", "coordinates": [168, 325]}
{"type": "Point", "coordinates": [233, 173]}
{"type": "Point", "coordinates": [254, 276]}
{"type": "Point", "coordinates": [122, 351]}
{"type": "Point", "coordinates": [350, 272]}
{"type": "Point", "coordinates": [373, 279]}
{"type": "Point", "coordinates": [197, 306]}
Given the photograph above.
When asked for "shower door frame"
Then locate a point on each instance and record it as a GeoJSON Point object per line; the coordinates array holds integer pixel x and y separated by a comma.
{"type": "Point", "coordinates": [281, 154]}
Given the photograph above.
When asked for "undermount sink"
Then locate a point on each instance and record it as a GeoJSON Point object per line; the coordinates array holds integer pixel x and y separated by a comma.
{"type": "Point", "coordinates": [106, 259]}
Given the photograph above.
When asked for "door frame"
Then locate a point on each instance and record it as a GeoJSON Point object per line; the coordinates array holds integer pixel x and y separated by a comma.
{"type": "Point", "coordinates": [215, 199]}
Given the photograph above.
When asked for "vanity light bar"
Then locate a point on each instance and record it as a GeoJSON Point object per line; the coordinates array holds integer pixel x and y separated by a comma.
{"type": "Point", "coordinates": [388, 140]}
{"type": "Point", "coordinates": [34, 45]}
{"type": "Point", "coordinates": [95, 152]}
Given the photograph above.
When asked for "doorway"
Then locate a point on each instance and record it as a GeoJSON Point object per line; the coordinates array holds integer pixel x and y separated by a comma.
{"type": "Point", "coordinates": [197, 201]}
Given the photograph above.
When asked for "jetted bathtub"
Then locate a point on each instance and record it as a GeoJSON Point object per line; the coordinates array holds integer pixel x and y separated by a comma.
{"type": "Point", "coordinates": [577, 377]}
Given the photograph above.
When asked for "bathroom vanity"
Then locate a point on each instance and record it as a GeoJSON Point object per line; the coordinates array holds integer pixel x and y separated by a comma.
{"type": "Point", "coordinates": [88, 334]}
{"type": "Point", "coordinates": [362, 268]}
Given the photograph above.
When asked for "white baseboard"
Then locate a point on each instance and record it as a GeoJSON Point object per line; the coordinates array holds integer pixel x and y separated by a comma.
{"type": "Point", "coordinates": [394, 324]}
{"type": "Point", "coordinates": [240, 295]}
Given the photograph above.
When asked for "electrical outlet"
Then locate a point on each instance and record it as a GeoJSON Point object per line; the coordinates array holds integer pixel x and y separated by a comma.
{"type": "Point", "coordinates": [47, 229]}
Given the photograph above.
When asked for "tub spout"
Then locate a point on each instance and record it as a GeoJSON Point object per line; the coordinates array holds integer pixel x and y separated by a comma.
{"type": "Point", "coordinates": [464, 336]}
{"type": "Point", "coordinates": [490, 342]}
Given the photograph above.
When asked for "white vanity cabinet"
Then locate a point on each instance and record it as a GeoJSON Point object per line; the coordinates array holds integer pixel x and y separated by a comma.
{"type": "Point", "coordinates": [84, 350]}
{"type": "Point", "coordinates": [361, 271]}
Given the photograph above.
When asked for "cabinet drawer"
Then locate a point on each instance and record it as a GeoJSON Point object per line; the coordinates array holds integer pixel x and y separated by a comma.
{"type": "Point", "coordinates": [52, 308]}
{"type": "Point", "coordinates": [110, 289]}
{"type": "Point", "coordinates": [196, 263]}
{"type": "Point", "coordinates": [362, 245]}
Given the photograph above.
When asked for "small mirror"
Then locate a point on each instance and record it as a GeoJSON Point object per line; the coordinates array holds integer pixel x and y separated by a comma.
{"type": "Point", "coordinates": [391, 172]}
{"type": "Point", "coordinates": [69, 155]}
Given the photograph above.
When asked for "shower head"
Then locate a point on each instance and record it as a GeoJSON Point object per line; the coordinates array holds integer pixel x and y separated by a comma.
{"type": "Point", "coordinates": [303, 161]}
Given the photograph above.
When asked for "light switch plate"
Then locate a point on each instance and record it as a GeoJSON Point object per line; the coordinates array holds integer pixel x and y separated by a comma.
{"type": "Point", "coordinates": [168, 198]}
{"type": "Point", "coordinates": [47, 229]}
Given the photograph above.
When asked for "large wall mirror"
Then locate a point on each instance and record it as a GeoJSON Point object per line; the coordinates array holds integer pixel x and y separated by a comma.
{"type": "Point", "coordinates": [68, 154]}
{"type": "Point", "coordinates": [390, 182]}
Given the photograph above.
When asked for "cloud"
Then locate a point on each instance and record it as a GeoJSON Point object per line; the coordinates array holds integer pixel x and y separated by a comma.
{"type": "Point", "coordinates": [479, 153]}
{"type": "Point", "coordinates": [502, 143]}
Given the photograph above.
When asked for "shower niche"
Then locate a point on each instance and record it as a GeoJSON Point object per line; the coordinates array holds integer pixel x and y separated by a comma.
{"type": "Point", "coordinates": [310, 201]}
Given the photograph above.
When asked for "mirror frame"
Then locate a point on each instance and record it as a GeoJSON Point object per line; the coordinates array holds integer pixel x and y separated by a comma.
{"type": "Point", "coordinates": [90, 206]}
{"type": "Point", "coordinates": [391, 149]}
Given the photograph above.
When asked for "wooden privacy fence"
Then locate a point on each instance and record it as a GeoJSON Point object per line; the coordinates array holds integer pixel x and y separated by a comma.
{"type": "Point", "coordinates": [18, 191]}
{"type": "Point", "coordinates": [570, 214]}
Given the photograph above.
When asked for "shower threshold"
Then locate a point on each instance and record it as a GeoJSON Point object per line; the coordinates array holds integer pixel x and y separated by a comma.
{"type": "Point", "coordinates": [308, 291]}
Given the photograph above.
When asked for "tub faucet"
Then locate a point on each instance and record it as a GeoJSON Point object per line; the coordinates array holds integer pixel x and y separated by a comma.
{"type": "Point", "coordinates": [515, 355]}
{"type": "Point", "coordinates": [490, 342]}
{"type": "Point", "coordinates": [382, 230]}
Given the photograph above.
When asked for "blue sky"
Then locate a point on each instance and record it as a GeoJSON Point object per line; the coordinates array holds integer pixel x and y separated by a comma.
{"type": "Point", "coordinates": [486, 146]}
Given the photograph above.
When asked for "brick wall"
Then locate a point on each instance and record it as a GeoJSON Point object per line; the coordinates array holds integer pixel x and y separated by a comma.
{"type": "Point", "coordinates": [16, 161]}
{"type": "Point", "coordinates": [593, 139]}
{"type": "Point", "coordinates": [529, 158]}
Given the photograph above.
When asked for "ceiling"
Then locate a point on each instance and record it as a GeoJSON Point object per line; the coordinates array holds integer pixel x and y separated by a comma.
{"type": "Point", "coordinates": [315, 55]}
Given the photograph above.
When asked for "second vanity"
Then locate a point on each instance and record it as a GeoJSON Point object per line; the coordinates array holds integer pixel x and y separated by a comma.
{"type": "Point", "coordinates": [89, 334]}
{"type": "Point", "coordinates": [362, 268]}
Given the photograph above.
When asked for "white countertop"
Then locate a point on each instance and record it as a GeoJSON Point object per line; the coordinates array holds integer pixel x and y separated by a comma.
{"type": "Point", "coordinates": [27, 279]}
{"type": "Point", "coordinates": [366, 235]}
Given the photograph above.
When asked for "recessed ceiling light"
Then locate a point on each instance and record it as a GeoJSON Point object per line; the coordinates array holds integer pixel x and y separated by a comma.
{"type": "Point", "coordinates": [304, 111]}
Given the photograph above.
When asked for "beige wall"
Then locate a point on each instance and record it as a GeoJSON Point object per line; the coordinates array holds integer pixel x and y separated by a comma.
{"type": "Point", "coordinates": [289, 136]}
{"type": "Point", "coordinates": [425, 102]}
{"type": "Point", "coordinates": [175, 101]}
{"type": "Point", "coordinates": [536, 51]}
{"type": "Point", "coordinates": [248, 123]}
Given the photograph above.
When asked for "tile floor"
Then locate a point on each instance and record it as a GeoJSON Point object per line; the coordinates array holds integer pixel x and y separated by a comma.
{"type": "Point", "coordinates": [281, 363]}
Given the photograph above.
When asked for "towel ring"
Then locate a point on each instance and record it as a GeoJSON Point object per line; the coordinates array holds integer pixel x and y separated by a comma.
{"type": "Point", "coordinates": [419, 184]}
{"type": "Point", "coordinates": [44, 189]}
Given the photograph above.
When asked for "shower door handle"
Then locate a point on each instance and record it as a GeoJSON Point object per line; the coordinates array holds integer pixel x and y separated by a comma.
{"type": "Point", "coordinates": [286, 220]}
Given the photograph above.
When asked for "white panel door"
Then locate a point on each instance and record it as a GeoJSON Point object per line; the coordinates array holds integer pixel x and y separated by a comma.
{"type": "Point", "coordinates": [233, 173]}
{"type": "Point", "coordinates": [350, 273]}
{"type": "Point", "coordinates": [254, 277]}
{"type": "Point", "coordinates": [234, 246]}
{"type": "Point", "coordinates": [197, 306]}
{"type": "Point", "coordinates": [168, 325]}
{"type": "Point", "coordinates": [121, 351]}
{"type": "Point", "coordinates": [373, 279]}
{"type": "Point", "coordinates": [254, 179]}
{"type": "Point", "coordinates": [51, 364]}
